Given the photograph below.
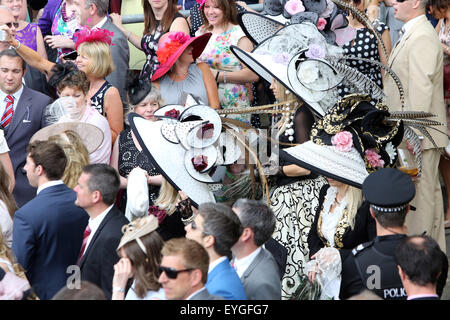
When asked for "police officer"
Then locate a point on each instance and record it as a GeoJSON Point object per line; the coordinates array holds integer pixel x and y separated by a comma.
{"type": "Point", "coordinates": [372, 265]}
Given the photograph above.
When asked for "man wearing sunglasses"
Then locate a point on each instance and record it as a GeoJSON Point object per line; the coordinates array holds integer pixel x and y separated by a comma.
{"type": "Point", "coordinates": [7, 18]}
{"type": "Point", "coordinates": [417, 59]}
{"type": "Point", "coordinates": [184, 270]}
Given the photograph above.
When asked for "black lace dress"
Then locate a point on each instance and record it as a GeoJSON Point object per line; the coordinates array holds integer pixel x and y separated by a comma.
{"type": "Point", "coordinates": [129, 158]}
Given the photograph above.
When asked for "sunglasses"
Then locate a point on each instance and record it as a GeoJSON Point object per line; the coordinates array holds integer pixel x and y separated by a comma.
{"type": "Point", "coordinates": [171, 273]}
{"type": "Point", "coordinates": [10, 24]}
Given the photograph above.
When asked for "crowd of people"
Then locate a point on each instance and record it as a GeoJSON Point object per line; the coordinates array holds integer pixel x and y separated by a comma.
{"type": "Point", "coordinates": [140, 181]}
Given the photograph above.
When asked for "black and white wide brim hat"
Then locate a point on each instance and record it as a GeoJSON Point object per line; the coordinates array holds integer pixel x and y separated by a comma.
{"type": "Point", "coordinates": [294, 56]}
{"type": "Point", "coordinates": [168, 158]}
{"type": "Point", "coordinates": [347, 167]}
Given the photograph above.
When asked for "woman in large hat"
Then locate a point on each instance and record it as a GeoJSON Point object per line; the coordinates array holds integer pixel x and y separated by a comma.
{"type": "Point", "coordinates": [178, 74]}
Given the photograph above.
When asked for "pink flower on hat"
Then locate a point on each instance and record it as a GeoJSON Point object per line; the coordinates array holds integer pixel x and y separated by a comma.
{"type": "Point", "coordinates": [374, 159]}
{"type": "Point", "coordinates": [201, 2]}
{"type": "Point", "coordinates": [321, 23]}
{"type": "Point", "coordinates": [294, 6]}
{"type": "Point", "coordinates": [343, 141]}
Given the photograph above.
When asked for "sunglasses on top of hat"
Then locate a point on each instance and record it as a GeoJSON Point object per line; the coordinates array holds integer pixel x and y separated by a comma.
{"type": "Point", "coordinates": [171, 273]}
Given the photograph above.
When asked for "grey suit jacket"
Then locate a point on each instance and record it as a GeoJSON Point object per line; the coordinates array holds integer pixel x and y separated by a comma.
{"type": "Point", "coordinates": [27, 119]}
{"type": "Point", "coordinates": [261, 280]}
{"type": "Point", "coordinates": [121, 57]}
{"type": "Point", "coordinates": [205, 295]}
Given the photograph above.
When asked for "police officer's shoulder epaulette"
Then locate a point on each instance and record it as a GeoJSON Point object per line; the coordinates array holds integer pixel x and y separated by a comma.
{"type": "Point", "coordinates": [361, 247]}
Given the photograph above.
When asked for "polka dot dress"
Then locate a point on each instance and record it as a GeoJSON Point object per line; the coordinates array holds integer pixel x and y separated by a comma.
{"type": "Point", "coordinates": [364, 46]}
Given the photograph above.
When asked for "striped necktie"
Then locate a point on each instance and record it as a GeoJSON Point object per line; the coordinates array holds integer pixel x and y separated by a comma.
{"type": "Point", "coordinates": [86, 234]}
{"type": "Point", "coordinates": [9, 112]}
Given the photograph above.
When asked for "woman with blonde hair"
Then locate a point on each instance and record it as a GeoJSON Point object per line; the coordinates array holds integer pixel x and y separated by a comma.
{"type": "Point", "coordinates": [8, 207]}
{"type": "Point", "coordinates": [95, 59]}
{"type": "Point", "coordinates": [173, 209]}
{"type": "Point", "coordinates": [76, 153]}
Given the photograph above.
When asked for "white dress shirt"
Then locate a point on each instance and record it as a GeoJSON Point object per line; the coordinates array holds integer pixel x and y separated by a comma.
{"type": "Point", "coordinates": [48, 184]}
{"type": "Point", "coordinates": [241, 265]}
{"type": "Point", "coordinates": [213, 264]}
{"type": "Point", "coordinates": [100, 23]}
{"type": "Point", "coordinates": [94, 224]}
{"type": "Point", "coordinates": [408, 25]}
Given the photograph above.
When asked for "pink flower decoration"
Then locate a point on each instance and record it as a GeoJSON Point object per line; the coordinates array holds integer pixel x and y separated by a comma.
{"type": "Point", "coordinates": [343, 141]}
{"type": "Point", "coordinates": [374, 159]}
{"type": "Point", "coordinates": [294, 6]}
{"type": "Point", "coordinates": [321, 23]}
{"type": "Point", "coordinates": [180, 36]}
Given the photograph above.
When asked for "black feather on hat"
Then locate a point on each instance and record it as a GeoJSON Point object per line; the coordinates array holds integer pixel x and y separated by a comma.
{"type": "Point", "coordinates": [137, 88]}
{"type": "Point", "coordinates": [60, 71]}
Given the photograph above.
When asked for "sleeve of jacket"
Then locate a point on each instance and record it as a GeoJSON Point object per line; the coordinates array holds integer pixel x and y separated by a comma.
{"type": "Point", "coordinates": [423, 65]}
{"type": "Point", "coordinates": [46, 20]}
{"type": "Point", "coordinates": [107, 272]}
{"type": "Point", "coordinates": [121, 56]}
{"type": "Point", "coordinates": [24, 241]}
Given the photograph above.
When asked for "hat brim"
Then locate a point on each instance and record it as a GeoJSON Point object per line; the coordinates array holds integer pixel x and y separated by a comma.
{"type": "Point", "coordinates": [268, 71]}
{"type": "Point", "coordinates": [91, 136]}
{"type": "Point", "coordinates": [327, 161]}
{"type": "Point", "coordinates": [258, 27]}
{"type": "Point", "coordinates": [199, 43]}
{"type": "Point", "coordinates": [168, 158]}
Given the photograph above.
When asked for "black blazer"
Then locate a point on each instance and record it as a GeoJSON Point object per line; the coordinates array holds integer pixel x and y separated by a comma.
{"type": "Point", "coordinates": [363, 231]}
{"type": "Point", "coordinates": [97, 264]}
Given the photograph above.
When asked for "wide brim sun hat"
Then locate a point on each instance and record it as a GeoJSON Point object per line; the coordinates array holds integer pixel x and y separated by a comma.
{"type": "Point", "coordinates": [91, 136]}
{"type": "Point", "coordinates": [169, 156]}
{"type": "Point", "coordinates": [172, 45]}
{"type": "Point", "coordinates": [281, 57]}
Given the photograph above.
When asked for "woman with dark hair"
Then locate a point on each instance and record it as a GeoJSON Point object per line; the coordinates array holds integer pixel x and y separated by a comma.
{"type": "Point", "coordinates": [140, 256]}
{"type": "Point", "coordinates": [159, 17]}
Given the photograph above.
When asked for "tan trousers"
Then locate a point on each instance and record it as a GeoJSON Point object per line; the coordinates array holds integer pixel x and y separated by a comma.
{"type": "Point", "coordinates": [428, 201]}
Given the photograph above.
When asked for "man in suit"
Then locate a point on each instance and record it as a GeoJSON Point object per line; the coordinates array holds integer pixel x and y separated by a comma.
{"type": "Point", "coordinates": [96, 192]}
{"type": "Point", "coordinates": [417, 59]}
{"type": "Point", "coordinates": [92, 13]}
{"type": "Point", "coordinates": [184, 270]}
{"type": "Point", "coordinates": [255, 266]}
{"type": "Point", "coordinates": [217, 229]}
{"type": "Point", "coordinates": [420, 262]}
{"type": "Point", "coordinates": [21, 121]}
{"type": "Point", "coordinates": [48, 230]}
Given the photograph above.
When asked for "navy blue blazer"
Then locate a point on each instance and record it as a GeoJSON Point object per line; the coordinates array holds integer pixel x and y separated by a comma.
{"type": "Point", "coordinates": [223, 281]}
{"type": "Point", "coordinates": [27, 120]}
{"type": "Point", "coordinates": [47, 237]}
{"type": "Point", "coordinates": [97, 263]}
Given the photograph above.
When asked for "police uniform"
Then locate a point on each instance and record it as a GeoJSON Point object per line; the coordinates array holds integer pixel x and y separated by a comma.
{"type": "Point", "coordinates": [372, 265]}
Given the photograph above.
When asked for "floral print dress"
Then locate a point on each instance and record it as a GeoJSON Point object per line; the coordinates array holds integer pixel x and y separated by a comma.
{"type": "Point", "coordinates": [217, 55]}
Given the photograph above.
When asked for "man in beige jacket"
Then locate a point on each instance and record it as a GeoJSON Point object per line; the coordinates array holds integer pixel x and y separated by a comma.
{"type": "Point", "coordinates": [418, 61]}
